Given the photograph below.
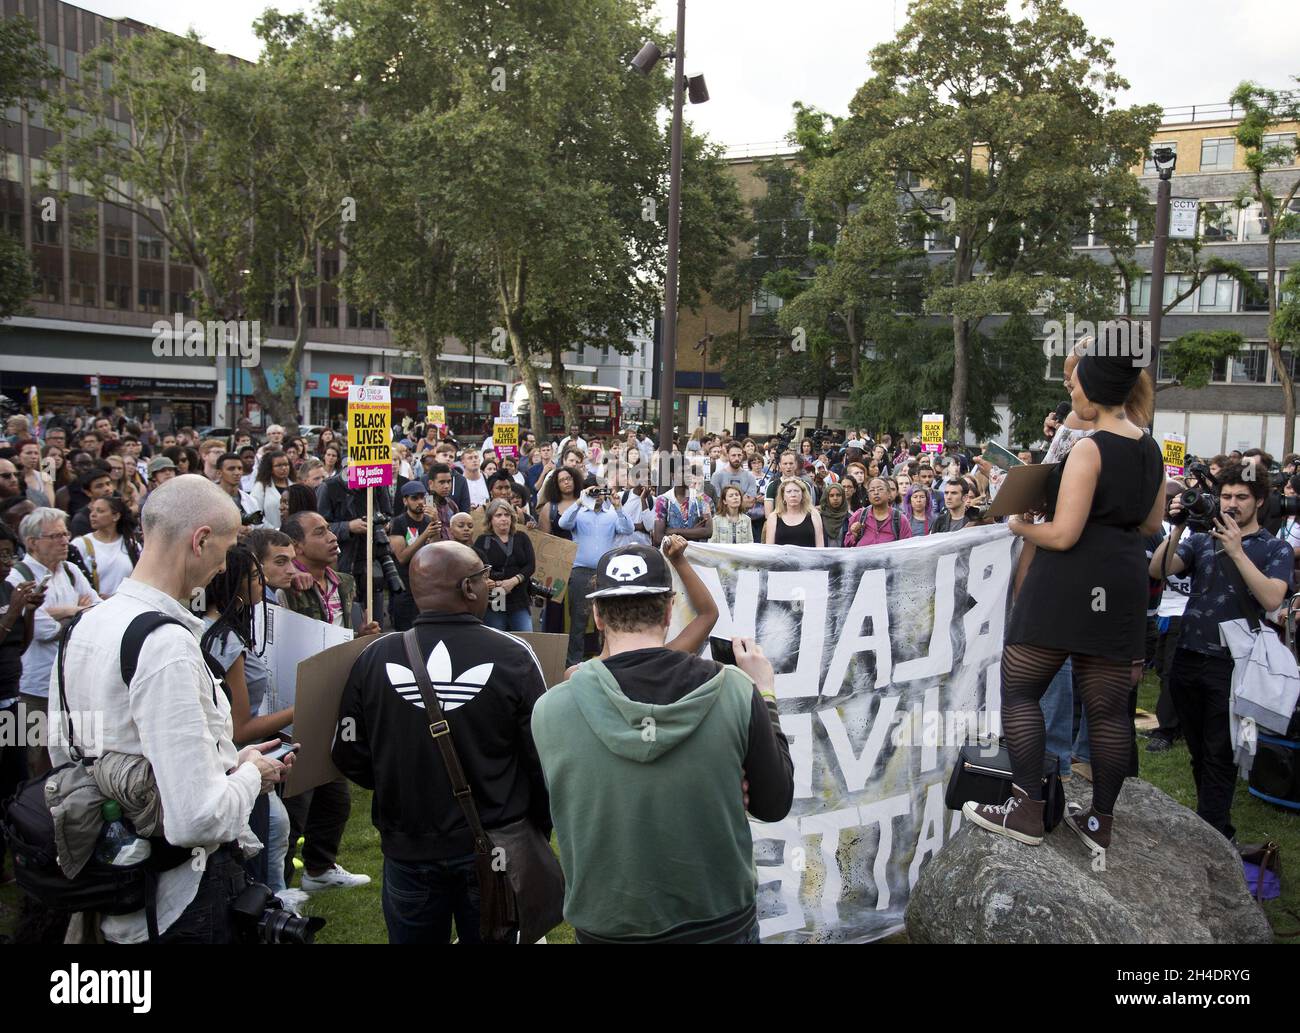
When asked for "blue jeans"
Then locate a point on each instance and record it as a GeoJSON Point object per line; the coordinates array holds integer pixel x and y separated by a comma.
{"type": "Point", "coordinates": [420, 900]}
{"type": "Point", "coordinates": [579, 607]}
{"type": "Point", "coordinates": [1058, 714]}
{"type": "Point", "coordinates": [509, 620]}
{"type": "Point", "coordinates": [277, 843]}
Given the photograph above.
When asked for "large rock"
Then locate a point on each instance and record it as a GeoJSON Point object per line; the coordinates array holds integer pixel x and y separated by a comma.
{"type": "Point", "coordinates": [1170, 878]}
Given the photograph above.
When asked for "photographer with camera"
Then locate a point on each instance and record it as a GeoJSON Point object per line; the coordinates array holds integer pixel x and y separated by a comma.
{"type": "Point", "coordinates": [1236, 568]}
{"type": "Point", "coordinates": [173, 714]}
{"type": "Point", "coordinates": [594, 522]}
{"type": "Point", "coordinates": [409, 532]}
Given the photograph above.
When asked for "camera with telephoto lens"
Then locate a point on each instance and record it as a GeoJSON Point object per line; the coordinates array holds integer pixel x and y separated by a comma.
{"type": "Point", "coordinates": [384, 555]}
{"type": "Point", "coordinates": [261, 918]}
{"type": "Point", "coordinates": [1200, 508]}
{"type": "Point", "coordinates": [539, 590]}
{"type": "Point", "coordinates": [1288, 505]}
{"type": "Point", "coordinates": [252, 518]}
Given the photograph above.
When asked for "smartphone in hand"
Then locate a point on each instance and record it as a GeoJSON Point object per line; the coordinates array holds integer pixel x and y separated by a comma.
{"type": "Point", "coordinates": [722, 650]}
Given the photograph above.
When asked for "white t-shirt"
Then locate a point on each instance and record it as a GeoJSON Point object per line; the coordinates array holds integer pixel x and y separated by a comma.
{"type": "Point", "coordinates": [1290, 533]}
{"type": "Point", "coordinates": [478, 490]}
{"type": "Point", "coordinates": [109, 561]}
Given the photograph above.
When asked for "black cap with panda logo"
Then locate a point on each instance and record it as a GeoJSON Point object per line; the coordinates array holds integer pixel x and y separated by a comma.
{"type": "Point", "coordinates": [632, 570]}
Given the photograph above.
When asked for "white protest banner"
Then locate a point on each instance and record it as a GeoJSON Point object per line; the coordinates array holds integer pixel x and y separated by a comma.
{"type": "Point", "coordinates": [289, 638]}
{"type": "Point", "coordinates": [887, 660]}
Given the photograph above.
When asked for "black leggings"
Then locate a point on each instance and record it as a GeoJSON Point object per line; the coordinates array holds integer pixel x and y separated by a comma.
{"type": "Point", "coordinates": [1027, 671]}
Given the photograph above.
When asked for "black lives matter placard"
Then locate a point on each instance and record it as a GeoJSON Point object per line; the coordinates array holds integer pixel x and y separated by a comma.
{"type": "Point", "coordinates": [370, 449]}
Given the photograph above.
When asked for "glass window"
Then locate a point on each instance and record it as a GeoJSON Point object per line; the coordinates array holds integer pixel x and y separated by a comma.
{"type": "Point", "coordinates": [1255, 226]}
{"type": "Point", "coordinates": [1219, 375]}
{"type": "Point", "coordinates": [765, 303]}
{"type": "Point", "coordinates": [1149, 166]}
{"type": "Point", "coordinates": [1248, 366]}
{"type": "Point", "coordinates": [1218, 153]}
{"type": "Point", "coordinates": [1287, 140]}
{"type": "Point", "coordinates": [1218, 222]}
{"type": "Point", "coordinates": [1215, 294]}
{"type": "Point", "coordinates": [1258, 303]}
{"type": "Point", "coordinates": [1288, 357]}
{"type": "Point", "coordinates": [1140, 294]}
{"type": "Point", "coordinates": [1176, 285]}
{"type": "Point", "coordinates": [1162, 366]}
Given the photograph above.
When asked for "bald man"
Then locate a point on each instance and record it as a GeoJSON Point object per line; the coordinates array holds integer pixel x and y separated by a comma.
{"type": "Point", "coordinates": [487, 682]}
{"type": "Point", "coordinates": [172, 713]}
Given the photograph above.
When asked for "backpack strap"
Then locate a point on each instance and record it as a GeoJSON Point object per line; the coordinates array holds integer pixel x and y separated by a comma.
{"type": "Point", "coordinates": [896, 519]}
{"type": "Point", "coordinates": [140, 628]}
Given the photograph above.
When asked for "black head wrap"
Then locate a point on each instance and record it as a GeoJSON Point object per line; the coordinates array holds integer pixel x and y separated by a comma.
{"type": "Point", "coordinates": [1107, 379]}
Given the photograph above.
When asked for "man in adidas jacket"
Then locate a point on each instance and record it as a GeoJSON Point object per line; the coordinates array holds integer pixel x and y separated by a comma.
{"type": "Point", "coordinates": [487, 683]}
{"type": "Point", "coordinates": [645, 754]}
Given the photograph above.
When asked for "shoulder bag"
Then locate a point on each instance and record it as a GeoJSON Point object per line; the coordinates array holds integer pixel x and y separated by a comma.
{"type": "Point", "coordinates": [521, 886]}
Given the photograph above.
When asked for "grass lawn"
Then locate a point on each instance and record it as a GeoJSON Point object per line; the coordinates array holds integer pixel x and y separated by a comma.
{"type": "Point", "coordinates": [356, 916]}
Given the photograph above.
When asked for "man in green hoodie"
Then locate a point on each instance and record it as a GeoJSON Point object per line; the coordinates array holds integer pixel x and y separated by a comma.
{"type": "Point", "coordinates": [644, 756]}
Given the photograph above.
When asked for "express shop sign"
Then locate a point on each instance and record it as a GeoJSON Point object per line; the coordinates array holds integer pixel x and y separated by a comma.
{"type": "Point", "coordinates": [339, 384]}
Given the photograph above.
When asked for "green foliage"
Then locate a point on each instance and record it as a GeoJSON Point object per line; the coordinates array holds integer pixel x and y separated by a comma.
{"type": "Point", "coordinates": [1285, 328]}
{"type": "Point", "coordinates": [1190, 360]}
{"type": "Point", "coordinates": [15, 276]}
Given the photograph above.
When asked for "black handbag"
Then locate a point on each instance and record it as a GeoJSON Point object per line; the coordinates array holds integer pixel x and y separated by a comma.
{"type": "Point", "coordinates": [521, 885]}
{"type": "Point", "coordinates": [983, 774]}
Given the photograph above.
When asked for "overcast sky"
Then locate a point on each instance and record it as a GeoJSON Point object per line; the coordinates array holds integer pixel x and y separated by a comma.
{"type": "Point", "coordinates": [760, 56]}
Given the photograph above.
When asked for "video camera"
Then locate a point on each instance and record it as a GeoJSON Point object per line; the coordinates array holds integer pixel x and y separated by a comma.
{"type": "Point", "coordinates": [1200, 508]}
{"type": "Point", "coordinates": [384, 555]}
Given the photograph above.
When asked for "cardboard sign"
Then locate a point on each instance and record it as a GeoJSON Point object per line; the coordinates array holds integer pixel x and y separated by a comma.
{"type": "Point", "coordinates": [505, 437]}
{"type": "Point", "coordinates": [370, 448]}
{"type": "Point", "coordinates": [1175, 453]}
{"type": "Point", "coordinates": [554, 556]}
{"type": "Point", "coordinates": [316, 713]}
{"type": "Point", "coordinates": [932, 432]}
{"type": "Point", "coordinates": [1023, 490]}
{"type": "Point", "coordinates": [551, 651]}
{"type": "Point", "coordinates": [436, 414]}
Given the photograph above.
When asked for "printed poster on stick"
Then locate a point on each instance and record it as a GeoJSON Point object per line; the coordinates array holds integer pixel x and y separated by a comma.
{"type": "Point", "coordinates": [437, 415]}
{"type": "Point", "coordinates": [1175, 451]}
{"type": "Point", "coordinates": [932, 432]}
{"type": "Point", "coordinates": [505, 437]}
{"type": "Point", "coordinates": [370, 449]}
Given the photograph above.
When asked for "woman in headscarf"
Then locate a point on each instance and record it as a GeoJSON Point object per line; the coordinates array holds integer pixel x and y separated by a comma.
{"type": "Point", "coordinates": [835, 510]}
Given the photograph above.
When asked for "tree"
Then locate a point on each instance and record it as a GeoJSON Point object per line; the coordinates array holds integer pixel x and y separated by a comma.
{"type": "Point", "coordinates": [1279, 214]}
{"type": "Point", "coordinates": [187, 169]}
{"type": "Point", "coordinates": [1009, 127]}
{"type": "Point", "coordinates": [23, 70]}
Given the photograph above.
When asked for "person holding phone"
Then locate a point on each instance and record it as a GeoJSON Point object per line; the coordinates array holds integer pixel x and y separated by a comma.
{"type": "Point", "coordinates": [646, 732]}
{"type": "Point", "coordinates": [593, 523]}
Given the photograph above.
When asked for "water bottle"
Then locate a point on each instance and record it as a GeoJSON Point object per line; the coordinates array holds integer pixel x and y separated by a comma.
{"type": "Point", "coordinates": [118, 845]}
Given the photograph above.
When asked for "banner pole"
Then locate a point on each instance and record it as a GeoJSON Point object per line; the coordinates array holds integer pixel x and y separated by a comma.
{"type": "Point", "coordinates": [370, 554]}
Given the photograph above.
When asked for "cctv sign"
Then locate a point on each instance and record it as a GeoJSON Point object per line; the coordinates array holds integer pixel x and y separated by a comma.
{"type": "Point", "coordinates": [1182, 217]}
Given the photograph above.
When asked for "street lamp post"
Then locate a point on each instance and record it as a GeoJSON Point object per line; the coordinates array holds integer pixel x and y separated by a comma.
{"type": "Point", "coordinates": [644, 61]}
{"type": "Point", "coordinates": [1165, 158]}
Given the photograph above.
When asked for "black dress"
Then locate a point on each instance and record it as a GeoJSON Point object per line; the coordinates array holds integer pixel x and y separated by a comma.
{"type": "Point", "coordinates": [801, 534]}
{"type": "Point", "coordinates": [1092, 599]}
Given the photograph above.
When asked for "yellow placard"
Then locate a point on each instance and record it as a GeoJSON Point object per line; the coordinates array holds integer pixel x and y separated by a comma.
{"type": "Point", "coordinates": [1175, 454]}
{"type": "Point", "coordinates": [932, 432]}
{"type": "Point", "coordinates": [505, 433]}
{"type": "Point", "coordinates": [370, 447]}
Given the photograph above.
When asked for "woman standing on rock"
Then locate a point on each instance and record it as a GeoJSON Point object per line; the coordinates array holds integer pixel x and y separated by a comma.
{"type": "Point", "coordinates": [1084, 597]}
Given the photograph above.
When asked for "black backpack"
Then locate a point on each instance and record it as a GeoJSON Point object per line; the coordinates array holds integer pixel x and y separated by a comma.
{"type": "Point", "coordinates": [29, 828]}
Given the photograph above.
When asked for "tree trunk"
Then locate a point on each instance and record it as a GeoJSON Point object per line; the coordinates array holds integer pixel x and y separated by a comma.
{"type": "Point", "coordinates": [429, 349]}
{"type": "Point", "coordinates": [960, 377]}
{"type": "Point", "coordinates": [510, 299]}
{"type": "Point", "coordinates": [561, 391]}
{"type": "Point", "coordinates": [1275, 348]}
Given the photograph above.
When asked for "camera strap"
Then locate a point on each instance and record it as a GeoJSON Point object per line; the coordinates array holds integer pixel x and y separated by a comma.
{"type": "Point", "coordinates": [1246, 603]}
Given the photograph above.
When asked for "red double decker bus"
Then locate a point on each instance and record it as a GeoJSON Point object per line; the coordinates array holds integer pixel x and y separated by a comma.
{"type": "Point", "coordinates": [600, 410]}
{"type": "Point", "coordinates": [471, 404]}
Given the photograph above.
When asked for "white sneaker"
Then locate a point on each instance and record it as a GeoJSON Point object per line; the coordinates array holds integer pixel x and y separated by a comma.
{"type": "Point", "coordinates": [334, 878]}
{"type": "Point", "coordinates": [293, 900]}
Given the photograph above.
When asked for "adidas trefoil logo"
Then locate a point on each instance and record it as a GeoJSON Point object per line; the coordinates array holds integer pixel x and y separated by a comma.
{"type": "Point", "coordinates": [453, 692]}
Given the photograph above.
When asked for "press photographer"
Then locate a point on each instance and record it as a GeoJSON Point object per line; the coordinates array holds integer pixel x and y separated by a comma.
{"type": "Point", "coordinates": [1236, 568]}
{"type": "Point", "coordinates": [171, 712]}
{"type": "Point", "coordinates": [344, 509]}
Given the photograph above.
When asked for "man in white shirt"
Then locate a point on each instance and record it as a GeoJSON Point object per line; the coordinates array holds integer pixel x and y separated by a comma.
{"type": "Point", "coordinates": [573, 438]}
{"type": "Point", "coordinates": [67, 593]}
{"type": "Point", "coordinates": [173, 713]}
{"type": "Point", "coordinates": [475, 482]}
{"type": "Point", "coordinates": [230, 471]}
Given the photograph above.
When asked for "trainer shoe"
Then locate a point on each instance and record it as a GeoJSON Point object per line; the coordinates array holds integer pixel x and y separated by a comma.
{"type": "Point", "coordinates": [1020, 818]}
{"type": "Point", "coordinates": [337, 877]}
{"type": "Point", "coordinates": [1159, 743]}
{"type": "Point", "coordinates": [1094, 829]}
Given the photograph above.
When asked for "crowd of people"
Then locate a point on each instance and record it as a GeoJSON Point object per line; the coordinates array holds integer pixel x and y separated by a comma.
{"type": "Point", "coordinates": [105, 518]}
